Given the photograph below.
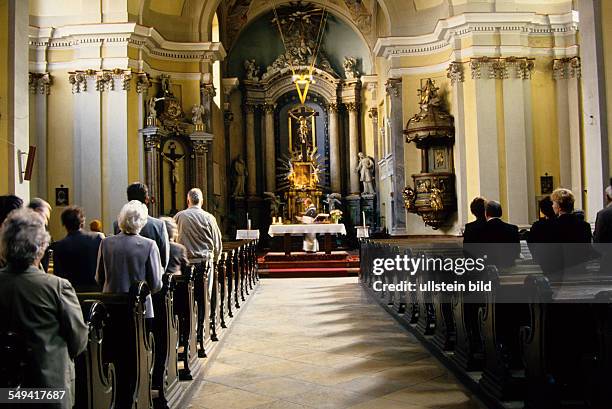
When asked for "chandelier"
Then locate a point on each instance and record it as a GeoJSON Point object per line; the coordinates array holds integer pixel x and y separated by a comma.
{"type": "Point", "coordinates": [302, 75]}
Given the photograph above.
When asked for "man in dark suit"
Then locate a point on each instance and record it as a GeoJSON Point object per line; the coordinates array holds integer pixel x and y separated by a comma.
{"type": "Point", "coordinates": [473, 230]}
{"type": "Point", "coordinates": [155, 229]}
{"type": "Point", "coordinates": [75, 257]}
{"type": "Point", "coordinates": [603, 238]}
{"type": "Point", "coordinates": [503, 241]}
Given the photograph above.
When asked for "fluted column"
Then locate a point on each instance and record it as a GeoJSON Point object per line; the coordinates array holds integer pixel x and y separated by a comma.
{"type": "Point", "coordinates": [270, 157]}
{"type": "Point", "coordinates": [353, 110]}
{"type": "Point", "coordinates": [398, 212]}
{"type": "Point", "coordinates": [250, 151]}
{"type": "Point", "coordinates": [334, 149]}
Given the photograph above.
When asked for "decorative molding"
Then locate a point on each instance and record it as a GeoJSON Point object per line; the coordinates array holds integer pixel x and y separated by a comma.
{"type": "Point", "coordinates": [455, 72]}
{"type": "Point", "coordinates": [147, 39]}
{"type": "Point", "coordinates": [564, 68]}
{"type": "Point", "coordinates": [466, 25]}
{"type": "Point", "coordinates": [40, 83]}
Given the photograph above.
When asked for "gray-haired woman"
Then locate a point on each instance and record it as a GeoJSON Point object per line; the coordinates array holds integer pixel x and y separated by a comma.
{"type": "Point", "coordinates": [128, 257]}
{"type": "Point", "coordinates": [42, 308]}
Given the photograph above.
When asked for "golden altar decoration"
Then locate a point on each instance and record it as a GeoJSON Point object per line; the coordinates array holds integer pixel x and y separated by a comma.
{"type": "Point", "coordinates": [301, 176]}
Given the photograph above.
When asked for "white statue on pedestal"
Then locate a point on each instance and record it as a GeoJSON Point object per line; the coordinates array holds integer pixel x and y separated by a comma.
{"type": "Point", "coordinates": [350, 68]}
{"type": "Point", "coordinates": [365, 168]}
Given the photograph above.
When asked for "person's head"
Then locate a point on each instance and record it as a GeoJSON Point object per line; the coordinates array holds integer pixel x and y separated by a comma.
{"type": "Point", "coordinates": [195, 197]}
{"type": "Point", "coordinates": [563, 201]}
{"type": "Point", "coordinates": [73, 218]}
{"type": "Point", "coordinates": [95, 225]}
{"type": "Point", "coordinates": [41, 207]}
{"type": "Point", "coordinates": [477, 207]}
{"type": "Point", "coordinates": [546, 207]}
{"type": "Point", "coordinates": [8, 203]}
{"type": "Point", "coordinates": [579, 213]}
{"type": "Point", "coordinates": [360, 155]}
{"type": "Point", "coordinates": [171, 227]}
{"type": "Point", "coordinates": [138, 191]}
{"type": "Point", "coordinates": [23, 239]}
{"type": "Point", "coordinates": [132, 217]}
{"type": "Point", "coordinates": [493, 209]}
{"type": "Point", "coordinates": [307, 202]}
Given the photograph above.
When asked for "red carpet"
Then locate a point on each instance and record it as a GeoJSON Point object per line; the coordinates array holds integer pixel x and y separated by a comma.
{"type": "Point", "coordinates": [299, 264]}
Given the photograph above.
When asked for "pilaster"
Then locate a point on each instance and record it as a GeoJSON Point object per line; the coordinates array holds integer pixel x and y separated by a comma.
{"type": "Point", "coordinates": [398, 212]}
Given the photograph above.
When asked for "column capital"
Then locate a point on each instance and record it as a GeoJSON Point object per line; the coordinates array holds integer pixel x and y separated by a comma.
{"type": "Point", "coordinates": [332, 107]}
{"type": "Point", "coordinates": [494, 68]}
{"type": "Point", "coordinates": [151, 141]}
{"type": "Point", "coordinates": [249, 108]}
{"type": "Point", "coordinates": [40, 82]}
{"type": "Point", "coordinates": [455, 72]}
{"type": "Point", "coordinates": [523, 67]}
{"type": "Point", "coordinates": [228, 116]}
{"type": "Point", "coordinates": [200, 147]}
{"type": "Point", "coordinates": [208, 90]}
{"type": "Point", "coordinates": [565, 68]}
{"type": "Point", "coordinates": [352, 106]}
{"type": "Point", "coordinates": [373, 113]}
{"type": "Point", "coordinates": [393, 87]}
{"type": "Point", "coordinates": [269, 108]}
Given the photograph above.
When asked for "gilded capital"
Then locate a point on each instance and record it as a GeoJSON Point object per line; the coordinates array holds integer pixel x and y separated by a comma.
{"type": "Point", "coordinates": [249, 108]}
{"type": "Point", "coordinates": [269, 108]}
{"type": "Point", "coordinates": [40, 83]}
{"type": "Point", "coordinates": [455, 72]}
{"type": "Point", "coordinates": [393, 86]}
{"type": "Point", "coordinates": [200, 147]}
{"type": "Point", "coordinates": [373, 113]}
{"type": "Point", "coordinates": [151, 142]}
{"type": "Point", "coordinates": [352, 106]}
{"type": "Point", "coordinates": [332, 107]}
{"type": "Point", "coordinates": [78, 81]}
{"type": "Point", "coordinates": [143, 82]}
{"type": "Point", "coordinates": [564, 68]}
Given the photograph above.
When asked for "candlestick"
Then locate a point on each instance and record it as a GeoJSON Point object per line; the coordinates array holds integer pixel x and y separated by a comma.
{"type": "Point", "coordinates": [249, 224]}
{"type": "Point", "coordinates": [363, 219]}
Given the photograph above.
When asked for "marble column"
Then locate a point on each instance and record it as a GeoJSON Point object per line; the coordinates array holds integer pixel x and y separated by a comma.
{"type": "Point", "coordinates": [334, 149]}
{"type": "Point", "coordinates": [594, 114]}
{"type": "Point", "coordinates": [398, 212]}
{"type": "Point", "coordinates": [152, 137]}
{"type": "Point", "coordinates": [251, 158]}
{"type": "Point", "coordinates": [270, 151]}
{"type": "Point", "coordinates": [40, 84]}
{"type": "Point", "coordinates": [353, 110]}
{"type": "Point", "coordinates": [518, 131]}
{"type": "Point", "coordinates": [201, 142]}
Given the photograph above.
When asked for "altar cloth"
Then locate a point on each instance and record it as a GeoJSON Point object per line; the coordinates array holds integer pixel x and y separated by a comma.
{"type": "Point", "coordinates": [301, 229]}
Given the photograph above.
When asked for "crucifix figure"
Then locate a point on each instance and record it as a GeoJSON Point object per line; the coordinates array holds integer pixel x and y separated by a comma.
{"type": "Point", "coordinates": [173, 159]}
{"type": "Point", "coordinates": [303, 115]}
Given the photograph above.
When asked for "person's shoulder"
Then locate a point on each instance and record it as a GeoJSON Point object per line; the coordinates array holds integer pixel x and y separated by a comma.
{"type": "Point", "coordinates": [154, 222]}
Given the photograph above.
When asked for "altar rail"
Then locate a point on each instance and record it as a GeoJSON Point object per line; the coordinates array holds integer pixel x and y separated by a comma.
{"type": "Point", "coordinates": [130, 363]}
{"type": "Point", "coordinates": [552, 351]}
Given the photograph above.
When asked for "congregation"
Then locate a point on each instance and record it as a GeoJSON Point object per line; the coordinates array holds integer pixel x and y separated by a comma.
{"type": "Point", "coordinates": [44, 307]}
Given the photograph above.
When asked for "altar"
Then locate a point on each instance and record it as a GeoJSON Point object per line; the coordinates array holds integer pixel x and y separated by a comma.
{"type": "Point", "coordinates": [288, 230]}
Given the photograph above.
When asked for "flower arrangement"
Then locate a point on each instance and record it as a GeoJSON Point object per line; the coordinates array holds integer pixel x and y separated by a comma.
{"type": "Point", "coordinates": [336, 215]}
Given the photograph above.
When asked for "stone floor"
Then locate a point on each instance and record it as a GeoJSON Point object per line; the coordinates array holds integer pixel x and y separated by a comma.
{"type": "Point", "coordinates": [319, 343]}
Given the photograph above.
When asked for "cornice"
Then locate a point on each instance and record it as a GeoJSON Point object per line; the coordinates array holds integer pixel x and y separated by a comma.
{"type": "Point", "coordinates": [146, 38]}
{"type": "Point", "coordinates": [471, 24]}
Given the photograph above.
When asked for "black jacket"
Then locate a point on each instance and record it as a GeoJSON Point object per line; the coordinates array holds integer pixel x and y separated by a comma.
{"type": "Point", "coordinates": [502, 243]}
{"type": "Point", "coordinates": [75, 258]}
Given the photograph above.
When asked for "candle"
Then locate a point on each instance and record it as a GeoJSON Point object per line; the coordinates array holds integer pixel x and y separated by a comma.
{"type": "Point", "coordinates": [249, 224]}
{"type": "Point", "coordinates": [363, 218]}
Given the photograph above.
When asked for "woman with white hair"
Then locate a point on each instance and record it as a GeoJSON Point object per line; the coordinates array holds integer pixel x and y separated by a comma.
{"type": "Point", "coordinates": [128, 257]}
{"type": "Point", "coordinates": [43, 309]}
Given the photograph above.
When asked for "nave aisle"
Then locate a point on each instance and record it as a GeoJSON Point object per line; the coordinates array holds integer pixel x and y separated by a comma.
{"type": "Point", "coordinates": [320, 343]}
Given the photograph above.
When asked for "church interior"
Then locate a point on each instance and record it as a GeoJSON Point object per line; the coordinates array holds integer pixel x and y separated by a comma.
{"type": "Point", "coordinates": [324, 136]}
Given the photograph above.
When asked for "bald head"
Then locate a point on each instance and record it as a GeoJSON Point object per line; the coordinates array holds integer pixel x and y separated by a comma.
{"type": "Point", "coordinates": [493, 209]}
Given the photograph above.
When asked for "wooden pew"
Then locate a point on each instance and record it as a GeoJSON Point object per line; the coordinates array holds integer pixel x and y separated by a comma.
{"type": "Point", "coordinates": [13, 359]}
{"type": "Point", "coordinates": [95, 379]}
{"type": "Point", "coordinates": [185, 308]}
{"type": "Point", "coordinates": [165, 331]}
{"type": "Point", "coordinates": [130, 345]}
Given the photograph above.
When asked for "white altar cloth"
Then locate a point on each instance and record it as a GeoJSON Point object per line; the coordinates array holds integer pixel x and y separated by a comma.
{"type": "Point", "coordinates": [301, 229]}
{"type": "Point", "coordinates": [247, 234]}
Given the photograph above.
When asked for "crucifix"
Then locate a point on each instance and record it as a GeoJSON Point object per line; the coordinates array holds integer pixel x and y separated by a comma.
{"type": "Point", "coordinates": [173, 159]}
{"type": "Point", "coordinates": [302, 115]}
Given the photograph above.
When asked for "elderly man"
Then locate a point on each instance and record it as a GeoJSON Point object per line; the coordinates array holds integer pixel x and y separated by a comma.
{"type": "Point", "coordinates": [198, 230]}
{"type": "Point", "coordinates": [43, 309]}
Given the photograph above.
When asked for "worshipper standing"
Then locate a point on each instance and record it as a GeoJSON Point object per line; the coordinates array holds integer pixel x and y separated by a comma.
{"type": "Point", "coordinates": [503, 241]}
{"type": "Point", "coordinates": [472, 234]}
{"type": "Point", "coordinates": [43, 208]}
{"type": "Point", "coordinates": [311, 244]}
{"type": "Point", "coordinates": [608, 193]}
{"type": "Point", "coordinates": [178, 252]}
{"type": "Point", "coordinates": [75, 256]}
{"type": "Point", "coordinates": [95, 226]}
{"type": "Point", "coordinates": [128, 257]}
{"type": "Point", "coordinates": [542, 234]}
{"type": "Point", "coordinates": [154, 229]}
{"type": "Point", "coordinates": [603, 237]}
{"type": "Point", "coordinates": [8, 203]}
{"type": "Point", "coordinates": [198, 230]}
{"type": "Point", "coordinates": [42, 308]}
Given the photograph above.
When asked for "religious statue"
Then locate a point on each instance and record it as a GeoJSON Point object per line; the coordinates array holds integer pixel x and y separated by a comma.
{"type": "Point", "coordinates": [165, 84]}
{"type": "Point", "coordinates": [275, 203]}
{"type": "Point", "coordinates": [198, 112]}
{"type": "Point", "coordinates": [435, 200]}
{"type": "Point", "coordinates": [302, 116]}
{"type": "Point", "coordinates": [251, 70]}
{"type": "Point", "coordinates": [350, 68]}
{"type": "Point", "coordinates": [173, 160]}
{"type": "Point", "coordinates": [365, 168]}
{"type": "Point", "coordinates": [333, 200]}
{"type": "Point", "coordinates": [239, 172]}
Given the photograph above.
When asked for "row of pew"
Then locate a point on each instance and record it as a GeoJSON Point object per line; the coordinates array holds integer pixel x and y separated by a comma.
{"type": "Point", "coordinates": [132, 362]}
{"type": "Point", "coordinates": [533, 341]}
